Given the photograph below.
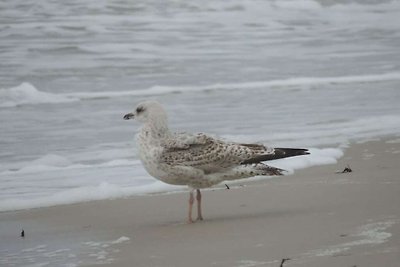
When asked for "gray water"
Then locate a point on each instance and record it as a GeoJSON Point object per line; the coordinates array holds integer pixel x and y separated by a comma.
{"type": "Point", "coordinates": [72, 46]}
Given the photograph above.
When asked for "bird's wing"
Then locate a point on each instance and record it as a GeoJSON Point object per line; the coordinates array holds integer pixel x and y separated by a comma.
{"type": "Point", "coordinates": [212, 155]}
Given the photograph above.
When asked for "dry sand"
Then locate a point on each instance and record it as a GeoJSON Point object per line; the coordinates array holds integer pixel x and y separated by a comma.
{"type": "Point", "coordinates": [314, 217]}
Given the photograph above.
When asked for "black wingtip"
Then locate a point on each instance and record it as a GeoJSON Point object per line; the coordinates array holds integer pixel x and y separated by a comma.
{"type": "Point", "coordinates": [279, 153]}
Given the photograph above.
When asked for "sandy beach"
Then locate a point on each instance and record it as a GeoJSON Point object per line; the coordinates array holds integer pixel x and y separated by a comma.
{"type": "Point", "coordinates": [315, 217]}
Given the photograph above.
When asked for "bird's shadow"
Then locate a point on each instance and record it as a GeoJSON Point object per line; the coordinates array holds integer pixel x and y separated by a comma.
{"type": "Point", "coordinates": [242, 216]}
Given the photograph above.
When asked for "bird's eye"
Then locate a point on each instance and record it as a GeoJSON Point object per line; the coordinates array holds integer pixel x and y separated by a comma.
{"type": "Point", "coordinates": [139, 109]}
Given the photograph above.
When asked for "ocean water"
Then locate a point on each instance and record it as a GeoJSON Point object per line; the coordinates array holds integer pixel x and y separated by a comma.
{"type": "Point", "coordinates": [288, 73]}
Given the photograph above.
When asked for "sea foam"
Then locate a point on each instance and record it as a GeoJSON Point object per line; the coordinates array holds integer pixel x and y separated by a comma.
{"type": "Point", "coordinates": [26, 93]}
{"type": "Point", "coordinates": [317, 156]}
{"type": "Point", "coordinates": [109, 190]}
{"type": "Point", "coordinates": [288, 83]}
{"type": "Point", "coordinates": [85, 193]}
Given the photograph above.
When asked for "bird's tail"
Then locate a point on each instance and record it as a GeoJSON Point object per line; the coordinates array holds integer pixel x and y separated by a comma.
{"type": "Point", "coordinates": [278, 153]}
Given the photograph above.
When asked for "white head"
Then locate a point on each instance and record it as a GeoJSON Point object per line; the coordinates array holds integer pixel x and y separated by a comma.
{"type": "Point", "coordinates": [149, 112]}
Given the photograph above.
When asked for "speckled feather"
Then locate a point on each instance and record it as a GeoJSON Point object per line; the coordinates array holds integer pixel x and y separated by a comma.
{"type": "Point", "coordinates": [209, 154]}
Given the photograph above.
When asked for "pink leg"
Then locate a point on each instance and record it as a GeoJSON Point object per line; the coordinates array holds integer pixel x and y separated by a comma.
{"type": "Point", "coordinates": [198, 197]}
{"type": "Point", "coordinates": [191, 201]}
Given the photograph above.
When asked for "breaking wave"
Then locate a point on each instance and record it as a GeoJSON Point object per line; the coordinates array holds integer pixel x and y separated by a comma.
{"type": "Point", "coordinates": [26, 93]}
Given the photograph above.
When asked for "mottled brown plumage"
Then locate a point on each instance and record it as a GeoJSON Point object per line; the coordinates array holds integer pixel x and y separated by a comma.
{"type": "Point", "coordinates": [198, 160]}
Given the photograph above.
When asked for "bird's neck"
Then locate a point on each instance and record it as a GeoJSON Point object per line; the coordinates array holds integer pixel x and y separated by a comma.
{"type": "Point", "coordinates": [157, 129]}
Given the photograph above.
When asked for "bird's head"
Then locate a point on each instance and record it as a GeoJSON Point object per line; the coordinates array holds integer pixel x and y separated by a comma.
{"type": "Point", "coordinates": [148, 111]}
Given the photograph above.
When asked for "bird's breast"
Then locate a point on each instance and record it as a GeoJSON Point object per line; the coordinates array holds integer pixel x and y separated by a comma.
{"type": "Point", "coordinates": [149, 154]}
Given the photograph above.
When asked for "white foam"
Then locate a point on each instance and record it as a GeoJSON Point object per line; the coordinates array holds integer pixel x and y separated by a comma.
{"type": "Point", "coordinates": [393, 141]}
{"type": "Point", "coordinates": [26, 93]}
{"type": "Point", "coordinates": [86, 193]}
{"type": "Point", "coordinates": [49, 162]}
{"type": "Point", "coordinates": [369, 234]}
{"type": "Point", "coordinates": [54, 180]}
{"type": "Point", "coordinates": [53, 162]}
{"type": "Point", "coordinates": [55, 254]}
{"type": "Point", "coordinates": [288, 83]}
{"type": "Point", "coordinates": [317, 157]}
{"type": "Point", "coordinates": [329, 132]}
{"type": "Point", "coordinates": [138, 186]}
{"type": "Point", "coordinates": [101, 251]}
{"type": "Point", "coordinates": [120, 162]}
{"type": "Point", "coordinates": [43, 168]}
{"type": "Point", "coordinates": [56, 189]}
{"type": "Point", "coordinates": [120, 240]}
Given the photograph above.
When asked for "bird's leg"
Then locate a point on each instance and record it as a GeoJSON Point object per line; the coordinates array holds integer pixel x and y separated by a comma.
{"type": "Point", "coordinates": [198, 197]}
{"type": "Point", "coordinates": [191, 201]}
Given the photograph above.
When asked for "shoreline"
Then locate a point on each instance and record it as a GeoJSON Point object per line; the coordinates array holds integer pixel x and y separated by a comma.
{"type": "Point", "coordinates": [315, 217]}
{"type": "Point", "coordinates": [108, 190]}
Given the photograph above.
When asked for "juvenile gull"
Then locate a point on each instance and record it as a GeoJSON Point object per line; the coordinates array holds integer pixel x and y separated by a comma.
{"type": "Point", "coordinates": [198, 160]}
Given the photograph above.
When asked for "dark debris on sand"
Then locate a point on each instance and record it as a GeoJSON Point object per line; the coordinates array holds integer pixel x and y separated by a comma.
{"type": "Point", "coordinates": [283, 261]}
{"type": "Point", "coordinates": [346, 170]}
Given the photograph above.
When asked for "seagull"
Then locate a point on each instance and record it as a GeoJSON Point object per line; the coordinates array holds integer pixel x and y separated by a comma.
{"type": "Point", "coordinates": [198, 160]}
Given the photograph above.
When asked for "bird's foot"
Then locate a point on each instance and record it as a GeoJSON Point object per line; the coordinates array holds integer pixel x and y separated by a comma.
{"type": "Point", "coordinates": [190, 221]}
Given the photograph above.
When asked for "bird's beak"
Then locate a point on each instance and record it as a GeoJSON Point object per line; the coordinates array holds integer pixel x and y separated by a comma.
{"type": "Point", "coordinates": [129, 116]}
